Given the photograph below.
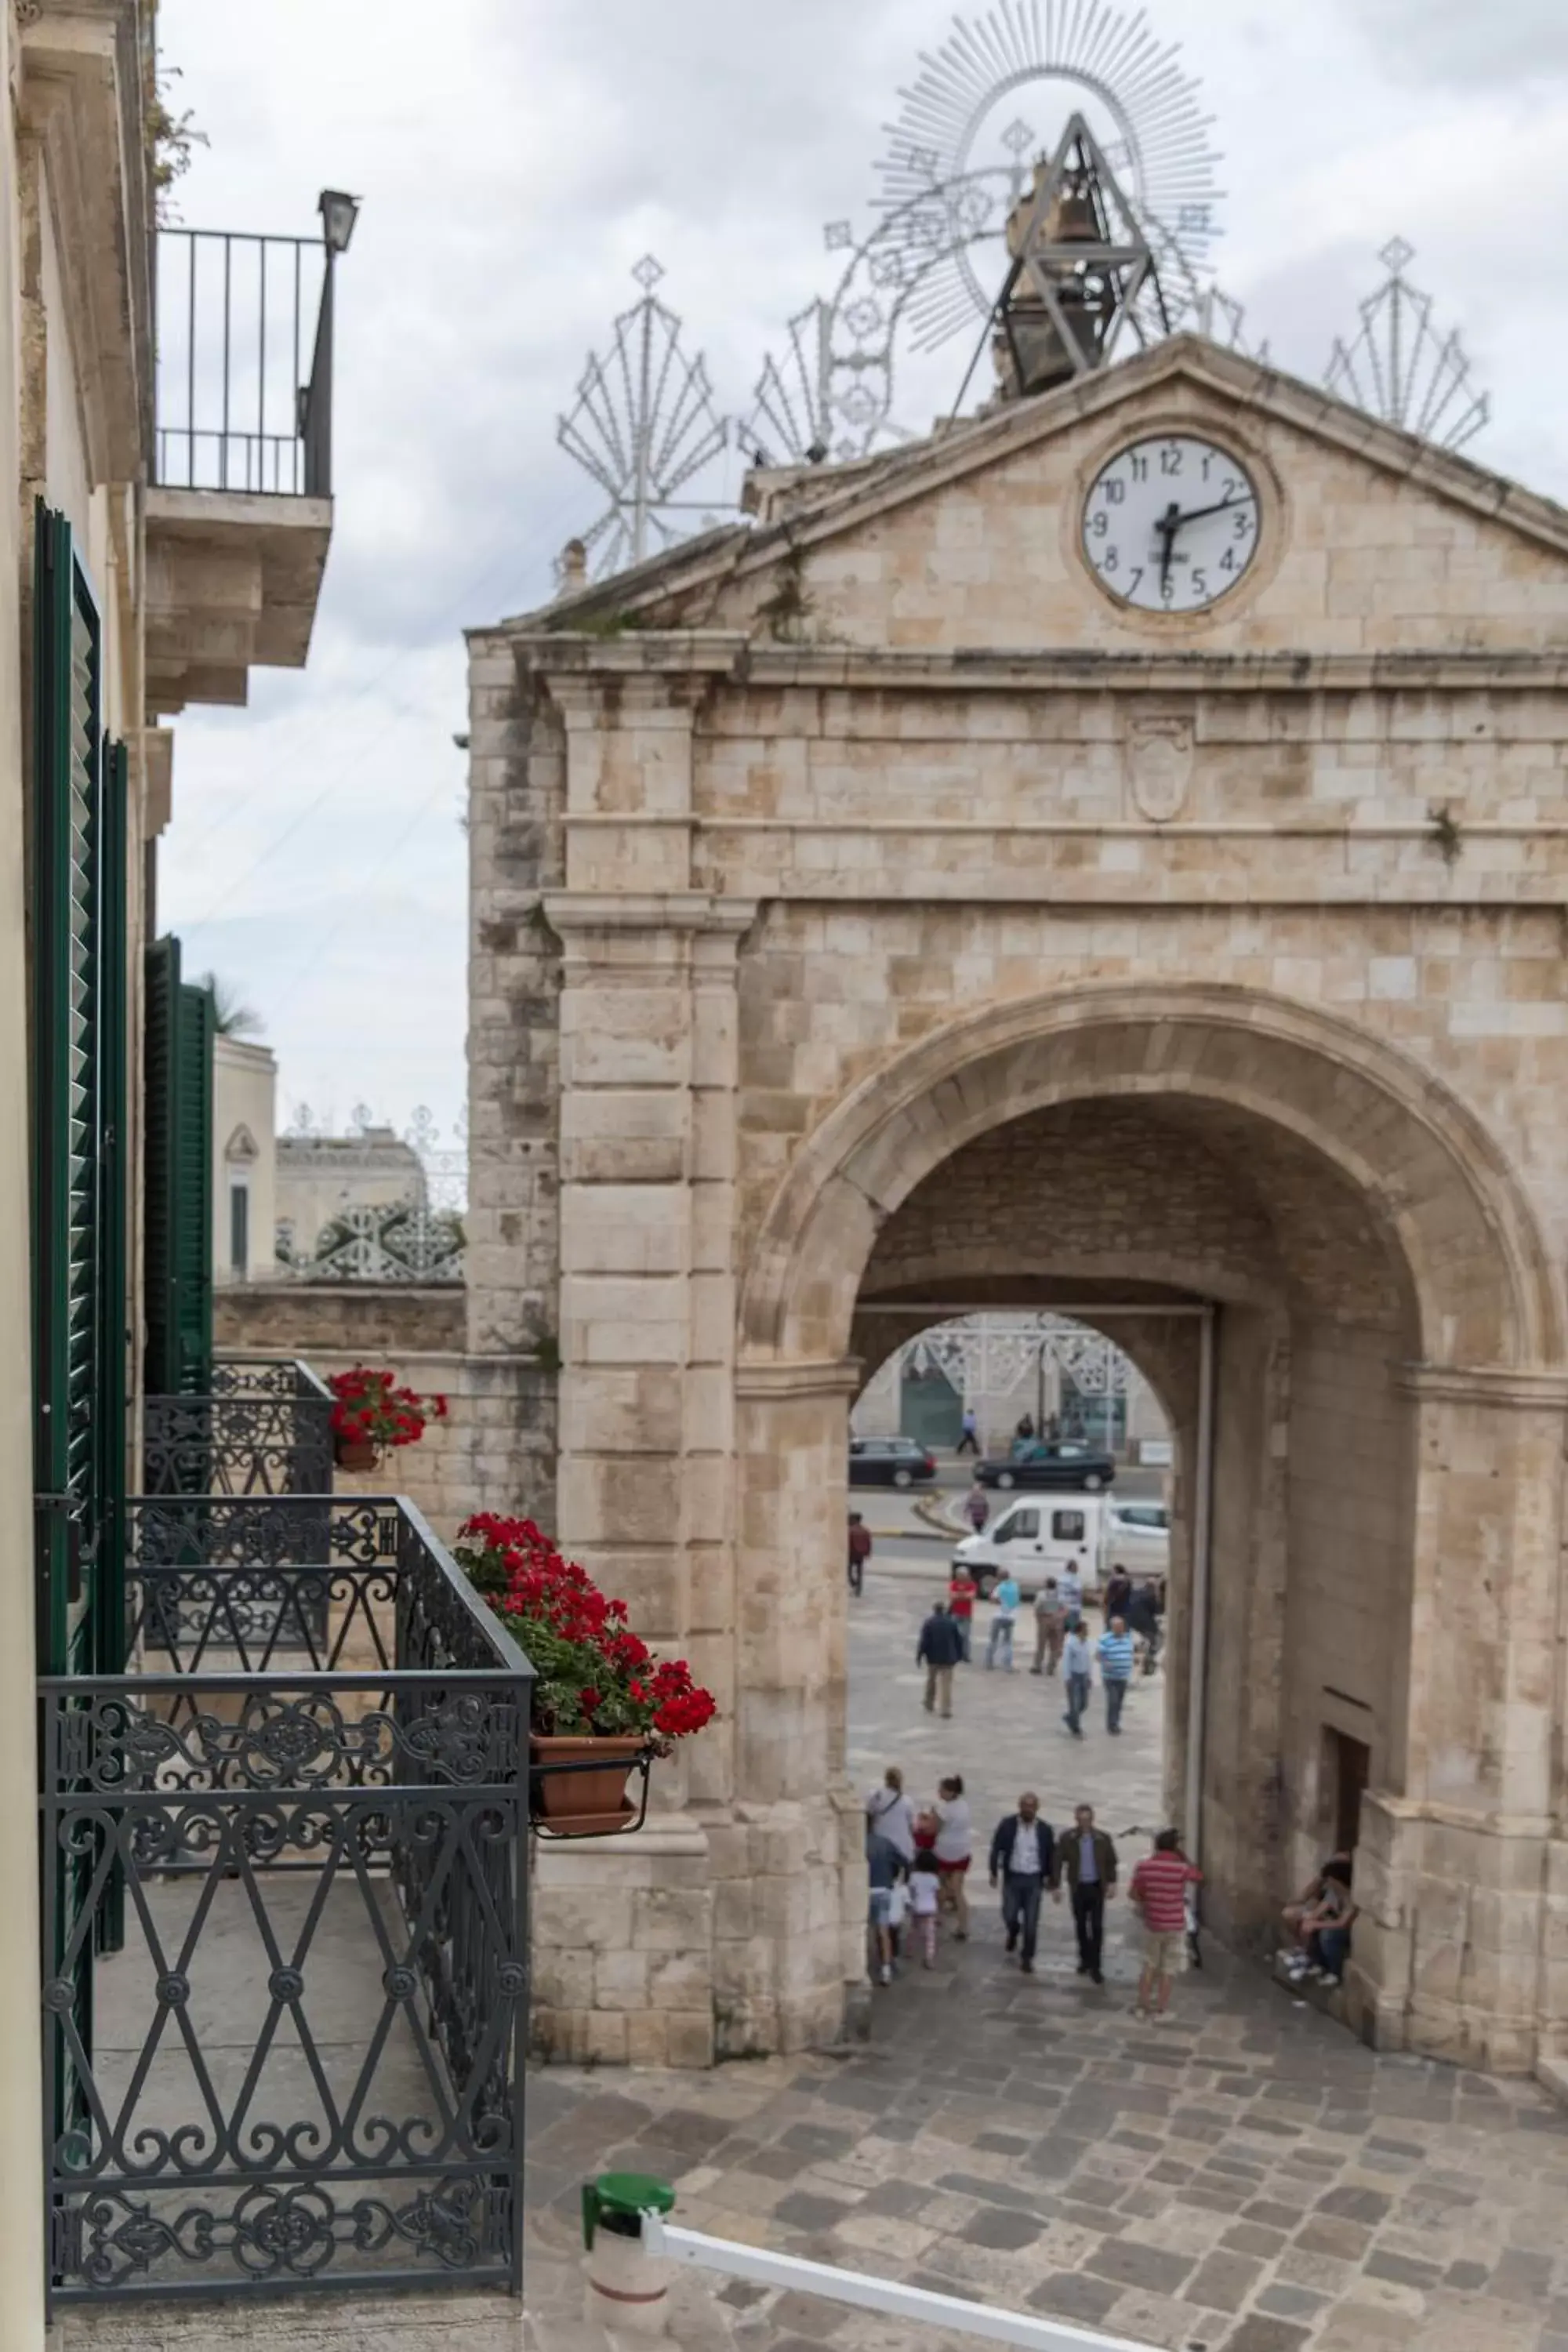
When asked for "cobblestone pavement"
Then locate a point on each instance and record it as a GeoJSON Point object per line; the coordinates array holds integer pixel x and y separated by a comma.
{"type": "Point", "coordinates": [1245, 2179]}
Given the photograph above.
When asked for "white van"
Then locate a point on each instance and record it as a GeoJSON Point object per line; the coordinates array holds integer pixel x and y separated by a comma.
{"type": "Point", "coordinates": [1090, 1533]}
{"type": "Point", "coordinates": [1037, 1539]}
{"type": "Point", "coordinates": [1137, 1536]}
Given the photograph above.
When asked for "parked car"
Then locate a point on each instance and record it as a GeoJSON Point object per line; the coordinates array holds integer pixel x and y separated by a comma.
{"type": "Point", "coordinates": [889, 1462]}
{"type": "Point", "coordinates": [1051, 1461]}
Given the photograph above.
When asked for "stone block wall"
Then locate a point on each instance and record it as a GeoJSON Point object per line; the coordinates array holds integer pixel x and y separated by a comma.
{"type": "Point", "coordinates": [979, 932]}
{"type": "Point", "coordinates": [496, 1449]}
{"type": "Point", "coordinates": [365, 1321]}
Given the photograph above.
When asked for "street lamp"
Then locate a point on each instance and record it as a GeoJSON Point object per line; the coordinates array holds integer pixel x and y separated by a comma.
{"type": "Point", "coordinates": [339, 213]}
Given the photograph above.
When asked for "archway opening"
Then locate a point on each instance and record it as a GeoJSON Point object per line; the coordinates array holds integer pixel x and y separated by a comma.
{"type": "Point", "coordinates": [1377, 1281]}
{"type": "Point", "coordinates": [1155, 1207]}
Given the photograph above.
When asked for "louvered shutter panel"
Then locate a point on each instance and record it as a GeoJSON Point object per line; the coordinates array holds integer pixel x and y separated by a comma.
{"type": "Point", "coordinates": [114, 1343]}
{"type": "Point", "coordinates": [178, 1213]}
{"type": "Point", "coordinates": [161, 994]}
{"type": "Point", "coordinates": [194, 1189]}
{"type": "Point", "coordinates": [68, 1173]}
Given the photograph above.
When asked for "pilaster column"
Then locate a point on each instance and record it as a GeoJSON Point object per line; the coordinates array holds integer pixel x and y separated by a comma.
{"type": "Point", "coordinates": [628, 779]}
{"type": "Point", "coordinates": [790, 1947]}
{"type": "Point", "coordinates": [1457, 1949]}
{"type": "Point", "coordinates": [648, 1029]}
{"type": "Point", "coordinates": [647, 1093]}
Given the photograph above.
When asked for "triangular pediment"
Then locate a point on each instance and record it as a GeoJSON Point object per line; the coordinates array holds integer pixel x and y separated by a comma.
{"type": "Point", "coordinates": [1373, 539]}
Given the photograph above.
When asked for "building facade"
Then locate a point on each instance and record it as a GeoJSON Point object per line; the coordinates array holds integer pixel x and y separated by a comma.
{"type": "Point", "coordinates": [244, 1160]}
{"type": "Point", "coordinates": [1061, 1374]}
{"type": "Point", "coordinates": [318, 1177]}
{"type": "Point", "coordinates": [835, 879]}
{"type": "Point", "coordinates": [141, 569]}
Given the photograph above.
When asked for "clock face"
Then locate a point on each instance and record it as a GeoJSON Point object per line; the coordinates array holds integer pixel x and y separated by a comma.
{"type": "Point", "coordinates": [1170, 525]}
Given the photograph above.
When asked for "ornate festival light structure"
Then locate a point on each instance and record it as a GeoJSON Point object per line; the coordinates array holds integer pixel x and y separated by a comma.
{"type": "Point", "coordinates": [643, 427]}
{"type": "Point", "coordinates": [959, 162]}
{"type": "Point", "coordinates": [1401, 369]}
{"type": "Point", "coordinates": [1099, 234]}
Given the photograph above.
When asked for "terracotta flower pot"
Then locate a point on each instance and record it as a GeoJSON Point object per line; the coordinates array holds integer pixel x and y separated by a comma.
{"type": "Point", "coordinates": [585, 1804]}
{"type": "Point", "coordinates": [355, 1454]}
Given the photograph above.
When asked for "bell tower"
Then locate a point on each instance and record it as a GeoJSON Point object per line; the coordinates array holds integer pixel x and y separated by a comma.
{"type": "Point", "coordinates": [1079, 263]}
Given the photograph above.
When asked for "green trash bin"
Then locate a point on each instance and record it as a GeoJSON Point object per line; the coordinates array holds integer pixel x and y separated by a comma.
{"type": "Point", "coordinates": [616, 2202]}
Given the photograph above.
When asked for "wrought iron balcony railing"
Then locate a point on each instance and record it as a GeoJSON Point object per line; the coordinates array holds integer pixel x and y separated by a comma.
{"type": "Point", "coordinates": [284, 1883]}
{"type": "Point", "coordinates": [265, 1428]}
{"type": "Point", "coordinates": [235, 410]}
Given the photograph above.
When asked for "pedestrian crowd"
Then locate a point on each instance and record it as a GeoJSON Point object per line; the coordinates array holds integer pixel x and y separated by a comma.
{"type": "Point", "coordinates": [919, 1853]}
{"type": "Point", "coordinates": [1062, 1639]}
{"type": "Point", "coordinates": [918, 1858]}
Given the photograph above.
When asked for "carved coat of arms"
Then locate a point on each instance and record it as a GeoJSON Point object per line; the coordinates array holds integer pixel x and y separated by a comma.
{"type": "Point", "coordinates": [1159, 765]}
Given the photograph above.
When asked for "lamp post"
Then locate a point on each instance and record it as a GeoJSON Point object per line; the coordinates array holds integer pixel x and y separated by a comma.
{"type": "Point", "coordinates": [339, 213]}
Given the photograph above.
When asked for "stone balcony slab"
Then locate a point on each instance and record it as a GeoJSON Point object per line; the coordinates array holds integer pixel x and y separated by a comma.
{"type": "Point", "coordinates": [233, 582]}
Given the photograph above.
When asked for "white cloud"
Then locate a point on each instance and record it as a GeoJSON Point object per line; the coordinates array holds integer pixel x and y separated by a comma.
{"type": "Point", "coordinates": [515, 159]}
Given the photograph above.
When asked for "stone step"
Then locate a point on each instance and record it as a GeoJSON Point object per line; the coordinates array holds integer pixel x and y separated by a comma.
{"type": "Point", "coordinates": [1327, 1998]}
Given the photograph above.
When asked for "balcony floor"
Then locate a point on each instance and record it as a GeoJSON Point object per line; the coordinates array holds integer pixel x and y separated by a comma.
{"type": "Point", "coordinates": [343, 2002]}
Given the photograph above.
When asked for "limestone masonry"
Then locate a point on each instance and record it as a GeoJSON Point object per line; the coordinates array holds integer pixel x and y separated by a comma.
{"type": "Point", "coordinates": [868, 908]}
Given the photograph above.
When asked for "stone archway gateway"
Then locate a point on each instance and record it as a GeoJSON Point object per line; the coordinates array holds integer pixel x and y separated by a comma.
{"type": "Point", "coordinates": [869, 911]}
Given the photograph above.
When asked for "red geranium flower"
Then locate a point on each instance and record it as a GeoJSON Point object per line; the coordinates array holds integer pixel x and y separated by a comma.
{"type": "Point", "coordinates": [591, 1671]}
{"type": "Point", "coordinates": [368, 1407]}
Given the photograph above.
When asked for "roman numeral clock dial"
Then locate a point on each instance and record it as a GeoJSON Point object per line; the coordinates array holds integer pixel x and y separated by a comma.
{"type": "Point", "coordinates": [1170, 525]}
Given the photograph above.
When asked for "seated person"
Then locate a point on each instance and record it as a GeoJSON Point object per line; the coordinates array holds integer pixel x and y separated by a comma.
{"type": "Point", "coordinates": [1328, 1927]}
{"type": "Point", "coordinates": [1294, 1953]}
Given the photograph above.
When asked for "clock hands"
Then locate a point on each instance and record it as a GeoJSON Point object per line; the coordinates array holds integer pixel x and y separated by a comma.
{"type": "Point", "coordinates": [1171, 521]}
{"type": "Point", "coordinates": [1174, 519]}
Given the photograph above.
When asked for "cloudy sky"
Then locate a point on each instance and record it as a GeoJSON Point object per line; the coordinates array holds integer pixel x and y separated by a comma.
{"type": "Point", "coordinates": [516, 158]}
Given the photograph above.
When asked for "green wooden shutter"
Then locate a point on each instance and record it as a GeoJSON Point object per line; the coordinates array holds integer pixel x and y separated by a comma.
{"type": "Point", "coordinates": [66, 1137]}
{"type": "Point", "coordinates": [114, 1343]}
{"type": "Point", "coordinates": [79, 932]}
{"type": "Point", "coordinates": [180, 1029]}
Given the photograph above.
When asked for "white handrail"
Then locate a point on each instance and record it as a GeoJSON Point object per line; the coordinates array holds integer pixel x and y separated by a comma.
{"type": "Point", "coordinates": [763, 2267]}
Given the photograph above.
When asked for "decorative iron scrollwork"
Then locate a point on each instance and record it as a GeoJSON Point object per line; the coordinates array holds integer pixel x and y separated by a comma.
{"type": "Point", "coordinates": [255, 1785]}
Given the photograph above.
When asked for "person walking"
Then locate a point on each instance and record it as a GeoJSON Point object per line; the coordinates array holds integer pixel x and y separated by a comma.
{"type": "Point", "coordinates": [954, 1847]}
{"type": "Point", "coordinates": [1114, 1650]}
{"type": "Point", "coordinates": [1070, 1585]}
{"type": "Point", "coordinates": [969, 1432]}
{"type": "Point", "coordinates": [1159, 1894]}
{"type": "Point", "coordinates": [1118, 1593]}
{"type": "Point", "coordinates": [939, 1648]}
{"type": "Point", "coordinates": [889, 1812]}
{"type": "Point", "coordinates": [1007, 1598]}
{"type": "Point", "coordinates": [1050, 1625]}
{"type": "Point", "coordinates": [924, 1896]}
{"type": "Point", "coordinates": [859, 1552]}
{"type": "Point", "coordinates": [963, 1593]}
{"type": "Point", "coordinates": [1086, 1858]}
{"type": "Point", "coordinates": [977, 1507]}
{"type": "Point", "coordinates": [1021, 1855]}
{"type": "Point", "coordinates": [882, 1868]}
{"type": "Point", "coordinates": [1077, 1660]}
{"type": "Point", "coordinates": [1143, 1624]}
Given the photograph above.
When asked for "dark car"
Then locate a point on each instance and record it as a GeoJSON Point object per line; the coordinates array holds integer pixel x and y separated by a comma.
{"type": "Point", "coordinates": [1051, 1461]}
{"type": "Point", "coordinates": [889, 1462]}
